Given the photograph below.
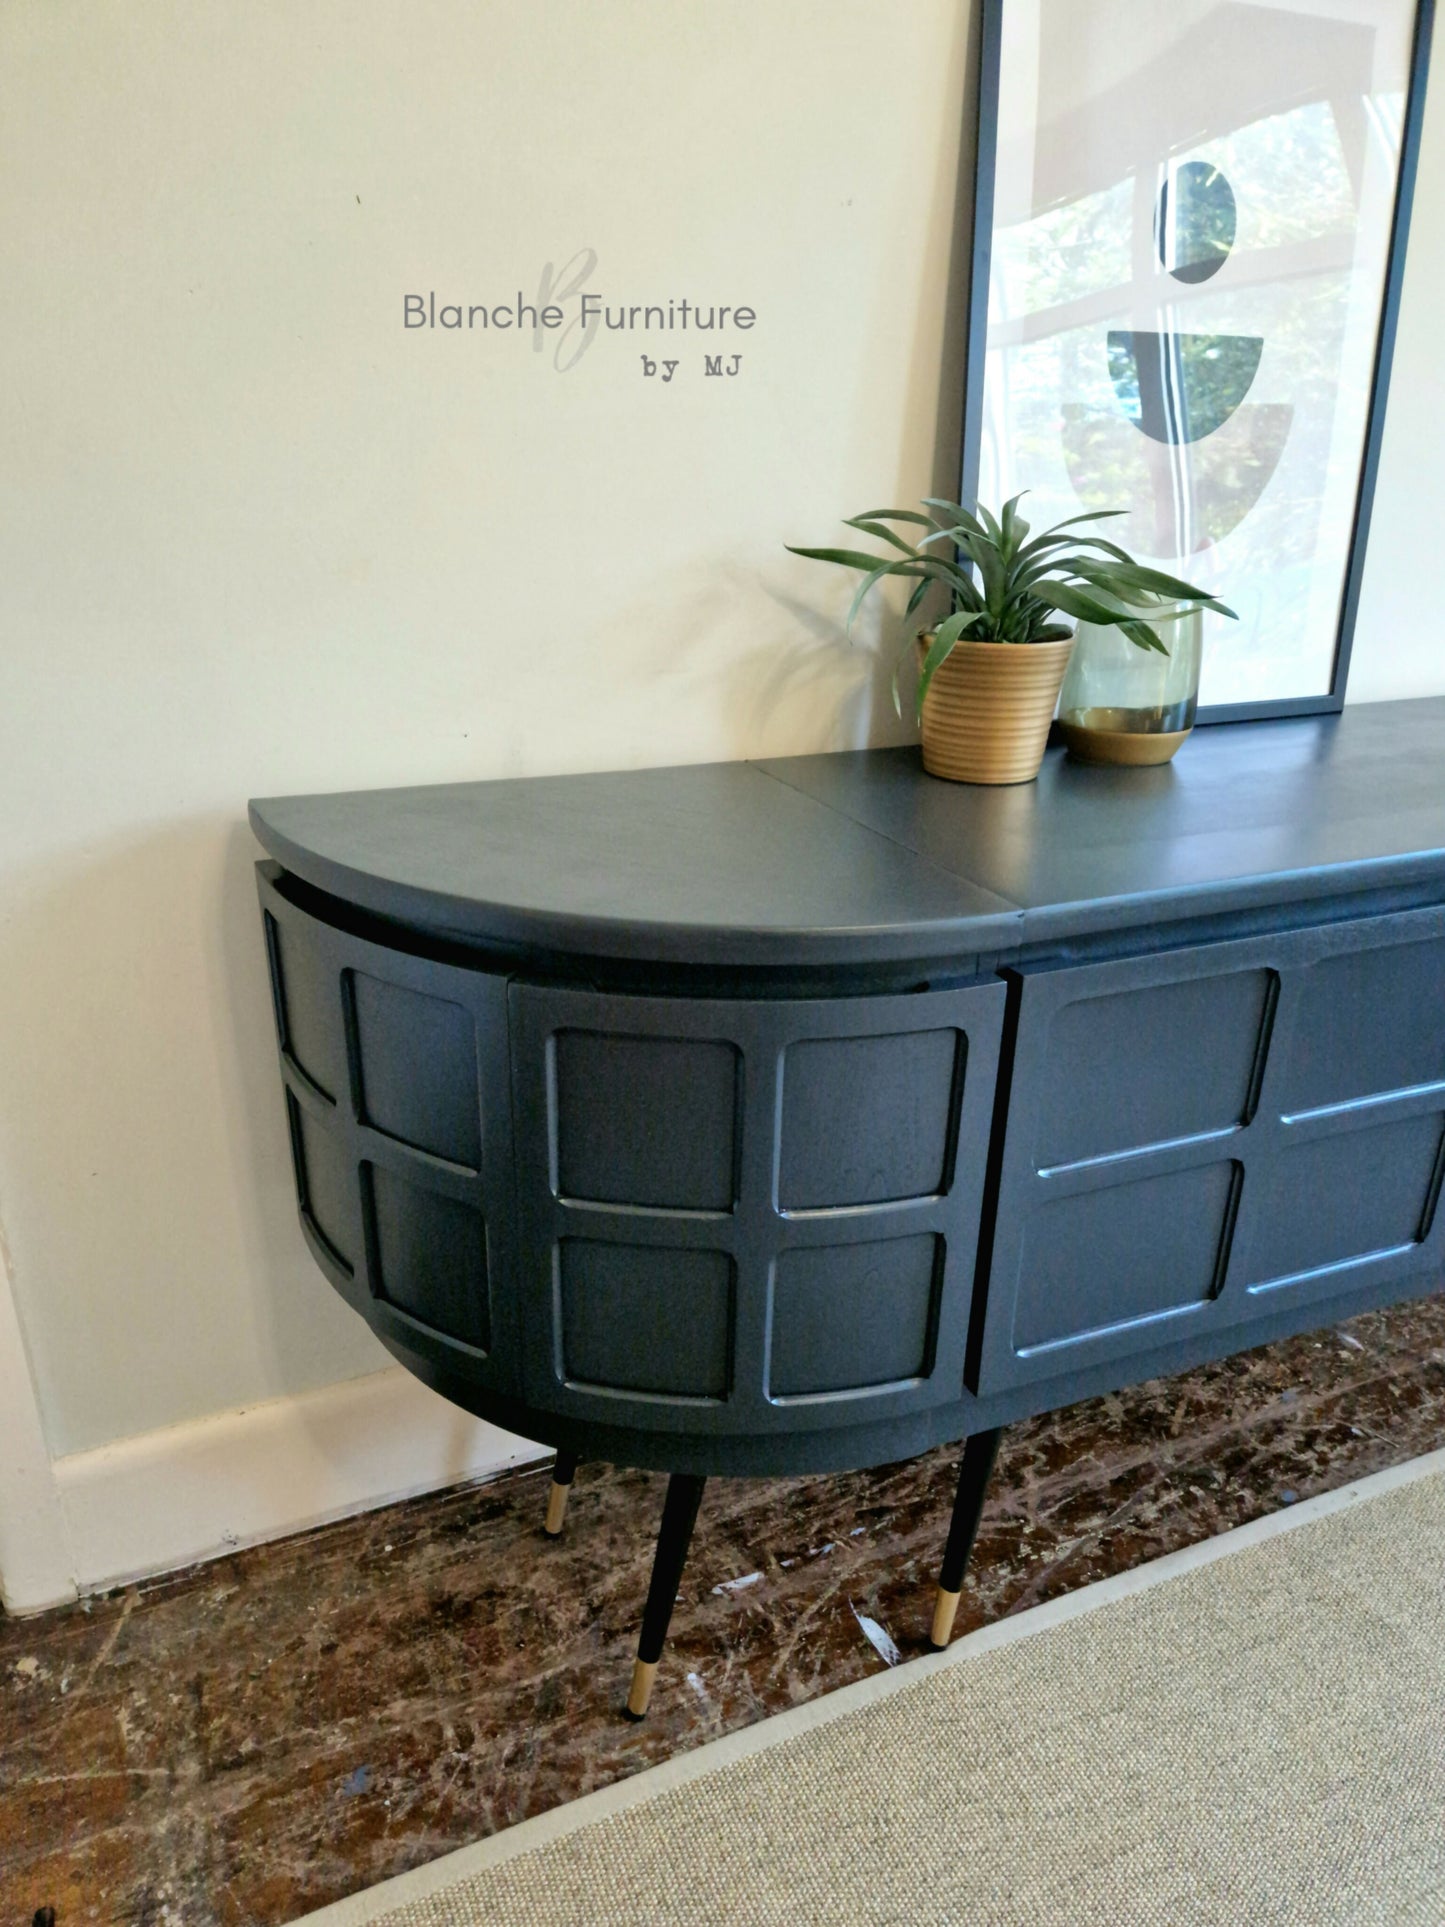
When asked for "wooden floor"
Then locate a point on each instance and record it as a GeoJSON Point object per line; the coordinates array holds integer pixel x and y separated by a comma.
{"type": "Point", "coordinates": [249, 1740]}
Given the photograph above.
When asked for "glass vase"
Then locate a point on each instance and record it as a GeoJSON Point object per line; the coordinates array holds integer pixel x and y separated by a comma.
{"type": "Point", "coordinates": [1124, 704]}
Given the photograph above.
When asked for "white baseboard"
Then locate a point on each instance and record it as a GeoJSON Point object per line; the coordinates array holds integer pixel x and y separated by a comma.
{"type": "Point", "coordinates": [34, 1557]}
{"type": "Point", "coordinates": [168, 1499]}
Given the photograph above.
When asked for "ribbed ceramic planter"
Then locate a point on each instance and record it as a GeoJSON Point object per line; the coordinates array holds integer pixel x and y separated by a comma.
{"type": "Point", "coordinates": [987, 712]}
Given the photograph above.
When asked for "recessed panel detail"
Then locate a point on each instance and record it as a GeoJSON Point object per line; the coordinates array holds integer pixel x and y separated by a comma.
{"type": "Point", "coordinates": [846, 1317]}
{"type": "Point", "coordinates": [323, 1182]}
{"type": "Point", "coordinates": [1147, 1066]}
{"type": "Point", "coordinates": [418, 1064]}
{"type": "Point", "coordinates": [1124, 1254]}
{"type": "Point", "coordinates": [866, 1120]}
{"type": "Point", "coordinates": [646, 1121]}
{"type": "Point", "coordinates": [1366, 1023]}
{"type": "Point", "coordinates": [640, 1318]}
{"type": "Point", "coordinates": [1346, 1195]}
{"type": "Point", "coordinates": [307, 990]}
{"type": "Point", "coordinates": [430, 1256]}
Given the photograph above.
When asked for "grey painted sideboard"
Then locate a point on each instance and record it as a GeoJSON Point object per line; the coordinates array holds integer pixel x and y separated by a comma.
{"type": "Point", "coordinates": [804, 1114]}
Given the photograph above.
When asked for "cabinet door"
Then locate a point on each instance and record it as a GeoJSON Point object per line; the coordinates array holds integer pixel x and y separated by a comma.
{"type": "Point", "coordinates": [1198, 1137]}
{"type": "Point", "coordinates": [398, 1101]}
{"type": "Point", "coordinates": [764, 1212]}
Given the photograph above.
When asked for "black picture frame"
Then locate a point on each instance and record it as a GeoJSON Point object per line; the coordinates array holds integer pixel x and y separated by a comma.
{"type": "Point", "coordinates": [987, 118]}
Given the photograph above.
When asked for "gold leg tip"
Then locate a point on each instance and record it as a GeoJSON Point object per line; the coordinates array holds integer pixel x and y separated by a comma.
{"type": "Point", "coordinates": [556, 1510]}
{"type": "Point", "coordinates": [945, 1607]}
{"type": "Point", "coordinates": [640, 1695]}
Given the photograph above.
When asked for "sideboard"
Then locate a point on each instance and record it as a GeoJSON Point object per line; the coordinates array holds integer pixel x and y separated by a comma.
{"type": "Point", "coordinates": [803, 1114]}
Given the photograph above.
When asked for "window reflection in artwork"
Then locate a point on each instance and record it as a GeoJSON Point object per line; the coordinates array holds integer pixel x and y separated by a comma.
{"type": "Point", "coordinates": [1196, 219]}
{"type": "Point", "coordinates": [1191, 226]}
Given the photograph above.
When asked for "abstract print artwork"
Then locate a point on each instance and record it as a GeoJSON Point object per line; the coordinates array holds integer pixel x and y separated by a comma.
{"type": "Point", "coordinates": [1192, 224]}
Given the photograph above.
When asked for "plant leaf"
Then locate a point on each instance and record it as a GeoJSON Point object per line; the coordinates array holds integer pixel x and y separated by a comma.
{"type": "Point", "coordinates": [920, 590]}
{"type": "Point", "coordinates": [892, 515]}
{"type": "Point", "coordinates": [956, 579]}
{"type": "Point", "coordinates": [845, 558]}
{"type": "Point", "coordinates": [903, 567]}
{"type": "Point", "coordinates": [941, 648]}
{"type": "Point", "coordinates": [1092, 608]}
{"type": "Point", "coordinates": [958, 516]}
{"type": "Point", "coordinates": [1143, 637]}
{"type": "Point", "coordinates": [1042, 545]}
{"type": "Point", "coordinates": [1134, 575]}
{"type": "Point", "coordinates": [1010, 586]}
{"type": "Point", "coordinates": [869, 526]}
{"type": "Point", "coordinates": [992, 569]}
{"type": "Point", "coordinates": [903, 654]}
{"type": "Point", "coordinates": [1014, 528]}
{"type": "Point", "coordinates": [1084, 607]}
{"type": "Point", "coordinates": [1072, 521]}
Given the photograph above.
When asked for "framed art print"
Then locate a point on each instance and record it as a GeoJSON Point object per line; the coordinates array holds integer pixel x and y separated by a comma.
{"type": "Point", "coordinates": [1189, 237]}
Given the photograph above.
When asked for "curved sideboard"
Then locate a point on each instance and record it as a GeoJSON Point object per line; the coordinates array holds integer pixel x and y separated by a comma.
{"type": "Point", "coordinates": [706, 1233]}
{"type": "Point", "coordinates": [798, 1116]}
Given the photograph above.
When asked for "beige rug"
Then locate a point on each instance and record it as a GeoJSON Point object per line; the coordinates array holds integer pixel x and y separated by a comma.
{"type": "Point", "coordinates": [1249, 1732]}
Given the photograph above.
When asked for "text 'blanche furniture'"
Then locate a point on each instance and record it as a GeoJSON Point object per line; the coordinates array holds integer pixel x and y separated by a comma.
{"type": "Point", "coordinates": [801, 1115]}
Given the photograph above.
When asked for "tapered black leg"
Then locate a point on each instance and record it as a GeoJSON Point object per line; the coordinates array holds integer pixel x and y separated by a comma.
{"type": "Point", "coordinates": [979, 1454]}
{"type": "Point", "coordinates": [679, 1515]}
{"type": "Point", "coordinates": [563, 1473]}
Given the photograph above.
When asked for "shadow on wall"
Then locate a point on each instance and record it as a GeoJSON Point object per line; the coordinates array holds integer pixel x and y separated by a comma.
{"type": "Point", "coordinates": [732, 654]}
{"type": "Point", "coordinates": [297, 1311]}
{"type": "Point", "coordinates": [296, 1308]}
{"type": "Point", "coordinates": [143, 1143]}
{"type": "Point", "coordinates": [784, 679]}
{"type": "Point", "coordinates": [737, 642]}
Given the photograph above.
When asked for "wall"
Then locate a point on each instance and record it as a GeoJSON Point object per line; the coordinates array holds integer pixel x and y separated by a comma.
{"type": "Point", "coordinates": [259, 538]}
{"type": "Point", "coordinates": [1398, 648]}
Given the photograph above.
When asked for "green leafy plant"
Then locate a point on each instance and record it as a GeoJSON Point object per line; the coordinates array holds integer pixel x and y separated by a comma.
{"type": "Point", "coordinates": [1005, 587]}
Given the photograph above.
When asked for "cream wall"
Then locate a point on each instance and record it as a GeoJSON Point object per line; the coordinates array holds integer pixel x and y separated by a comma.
{"type": "Point", "coordinates": [1399, 647]}
{"type": "Point", "coordinates": [258, 538]}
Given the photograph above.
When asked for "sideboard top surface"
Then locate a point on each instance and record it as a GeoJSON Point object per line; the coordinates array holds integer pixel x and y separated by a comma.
{"type": "Point", "coordinates": [857, 856]}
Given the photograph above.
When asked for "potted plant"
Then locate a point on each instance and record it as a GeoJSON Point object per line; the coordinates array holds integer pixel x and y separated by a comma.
{"type": "Point", "coordinates": [990, 670]}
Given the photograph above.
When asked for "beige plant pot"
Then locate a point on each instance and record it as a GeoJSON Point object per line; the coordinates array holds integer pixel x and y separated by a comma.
{"type": "Point", "coordinates": [987, 712]}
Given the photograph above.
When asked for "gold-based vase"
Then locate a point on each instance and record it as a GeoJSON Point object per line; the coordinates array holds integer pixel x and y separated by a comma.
{"type": "Point", "coordinates": [1124, 704]}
